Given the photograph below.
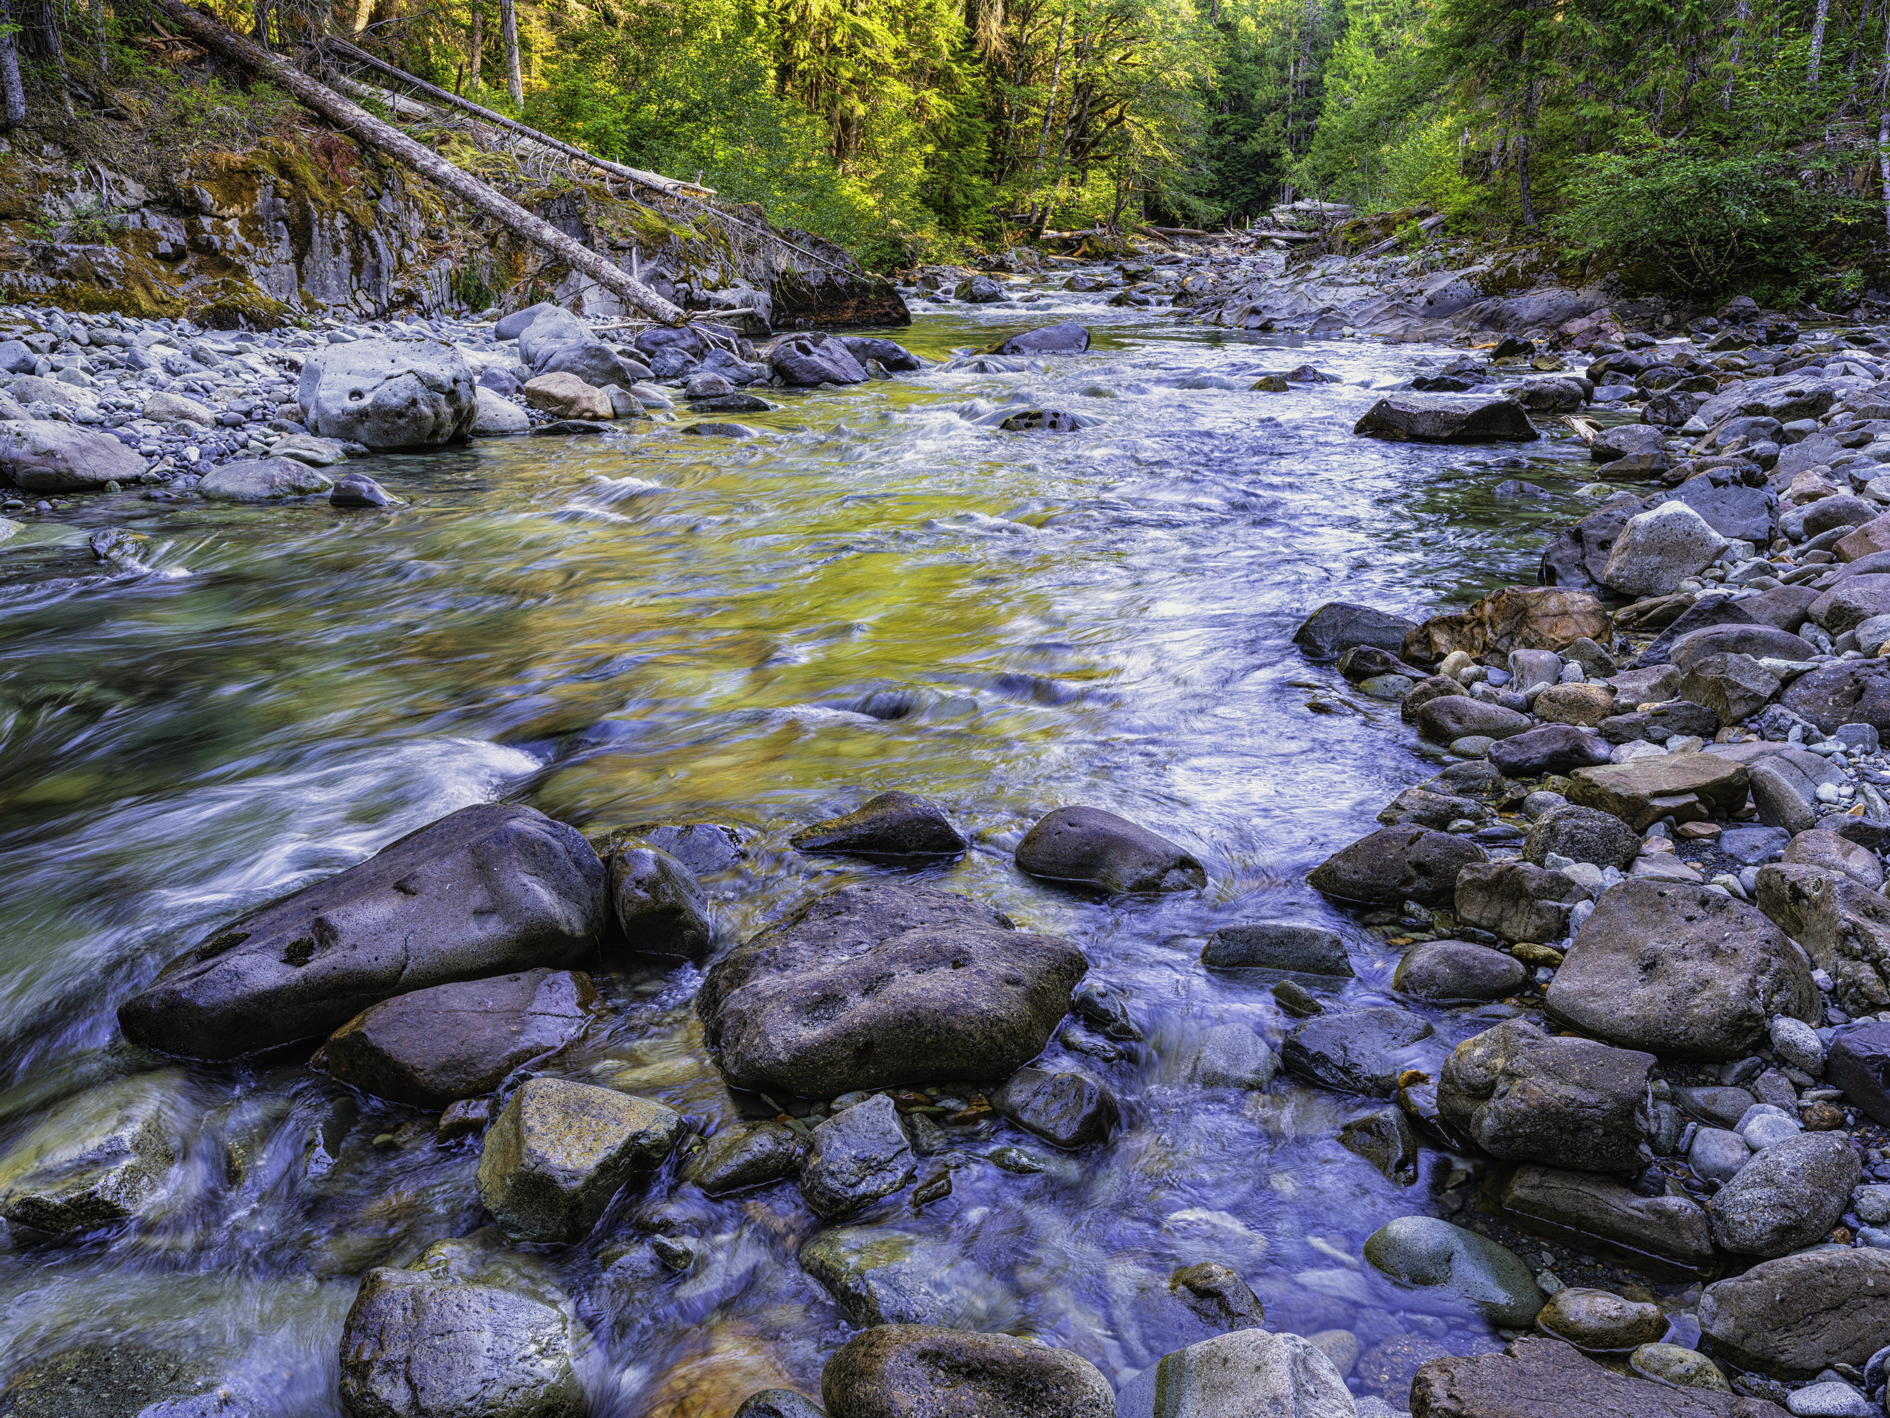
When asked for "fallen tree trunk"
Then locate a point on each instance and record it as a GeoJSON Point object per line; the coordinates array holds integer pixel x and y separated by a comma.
{"type": "Point", "coordinates": [357, 122]}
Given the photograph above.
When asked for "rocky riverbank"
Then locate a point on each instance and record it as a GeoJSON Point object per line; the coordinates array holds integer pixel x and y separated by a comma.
{"type": "Point", "coordinates": [1645, 869]}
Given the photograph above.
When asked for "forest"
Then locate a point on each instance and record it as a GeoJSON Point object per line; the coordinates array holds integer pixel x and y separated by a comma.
{"type": "Point", "coordinates": [1708, 140]}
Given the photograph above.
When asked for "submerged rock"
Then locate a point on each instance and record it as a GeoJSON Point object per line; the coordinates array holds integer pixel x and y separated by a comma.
{"type": "Point", "coordinates": [877, 1276]}
{"type": "Point", "coordinates": [1067, 338]}
{"type": "Point", "coordinates": [560, 1151]}
{"type": "Point", "coordinates": [890, 826]}
{"type": "Point", "coordinates": [416, 1347]}
{"type": "Point", "coordinates": [918, 1371]}
{"type": "Point", "coordinates": [747, 1155]}
{"type": "Point", "coordinates": [95, 1160]}
{"type": "Point", "coordinates": [433, 1047]}
{"type": "Point", "coordinates": [487, 889]}
{"type": "Point", "coordinates": [1085, 846]}
{"type": "Point", "coordinates": [1339, 625]}
{"type": "Point", "coordinates": [872, 986]}
{"type": "Point", "coordinates": [1424, 1252]}
{"type": "Point", "coordinates": [1277, 945]}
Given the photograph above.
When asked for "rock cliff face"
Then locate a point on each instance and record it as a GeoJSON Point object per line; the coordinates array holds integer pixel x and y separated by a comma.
{"type": "Point", "coordinates": [310, 224]}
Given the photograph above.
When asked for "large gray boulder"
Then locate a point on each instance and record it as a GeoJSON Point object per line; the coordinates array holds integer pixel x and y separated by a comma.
{"type": "Point", "coordinates": [1413, 418]}
{"type": "Point", "coordinates": [1522, 1094]}
{"type": "Point", "coordinates": [560, 1151]}
{"type": "Point", "coordinates": [1068, 1109]}
{"type": "Point", "coordinates": [1840, 920]}
{"type": "Point", "coordinates": [1687, 787]}
{"type": "Point", "coordinates": [888, 827]}
{"type": "Point", "coordinates": [1250, 1371]}
{"type": "Point", "coordinates": [388, 394]}
{"type": "Point", "coordinates": [1849, 692]}
{"type": "Point", "coordinates": [856, 1157]}
{"type": "Point", "coordinates": [485, 890]}
{"type": "Point", "coordinates": [262, 480]}
{"type": "Point", "coordinates": [95, 1160]}
{"type": "Point", "coordinates": [1454, 716]}
{"type": "Point", "coordinates": [1790, 1195]}
{"type": "Point", "coordinates": [872, 986]}
{"type": "Point", "coordinates": [1681, 971]}
{"type": "Point", "coordinates": [1458, 970]}
{"type": "Point", "coordinates": [1658, 548]}
{"type": "Point", "coordinates": [418, 1347]}
{"type": "Point", "coordinates": [1582, 834]}
{"type": "Point", "coordinates": [591, 360]}
{"type": "Point", "coordinates": [809, 358]}
{"type": "Point", "coordinates": [1516, 901]}
{"type": "Point", "coordinates": [1339, 625]}
{"type": "Point", "coordinates": [433, 1047]}
{"type": "Point", "coordinates": [1801, 1313]}
{"type": "Point", "coordinates": [1085, 846]}
{"type": "Point", "coordinates": [44, 455]}
{"type": "Point", "coordinates": [660, 906]}
{"type": "Point", "coordinates": [541, 327]}
{"type": "Point", "coordinates": [919, 1371]}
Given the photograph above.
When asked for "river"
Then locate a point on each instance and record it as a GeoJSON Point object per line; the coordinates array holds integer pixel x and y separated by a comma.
{"type": "Point", "coordinates": [883, 591]}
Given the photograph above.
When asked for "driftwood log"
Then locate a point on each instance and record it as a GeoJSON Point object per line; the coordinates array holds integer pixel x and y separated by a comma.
{"type": "Point", "coordinates": [419, 159]}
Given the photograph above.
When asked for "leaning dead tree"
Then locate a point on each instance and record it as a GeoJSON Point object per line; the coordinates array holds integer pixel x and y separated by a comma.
{"type": "Point", "coordinates": [357, 122]}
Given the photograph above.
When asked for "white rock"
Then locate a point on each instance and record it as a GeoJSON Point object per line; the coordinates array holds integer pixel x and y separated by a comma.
{"type": "Point", "coordinates": [44, 455]}
{"type": "Point", "coordinates": [1238, 1375]}
{"type": "Point", "coordinates": [497, 415]}
{"type": "Point", "coordinates": [165, 407]}
{"type": "Point", "coordinates": [262, 480]}
{"type": "Point", "coordinates": [1798, 1044]}
{"type": "Point", "coordinates": [1658, 549]}
{"type": "Point", "coordinates": [1831, 1399]}
{"type": "Point", "coordinates": [1761, 1125]}
{"type": "Point", "coordinates": [1872, 1203]}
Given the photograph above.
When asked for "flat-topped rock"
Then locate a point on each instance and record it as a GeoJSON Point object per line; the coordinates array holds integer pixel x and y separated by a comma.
{"type": "Point", "coordinates": [1085, 846]}
{"type": "Point", "coordinates": [1394, 864]}
{"type": "Point", "coordinates": [918, 1371]}
{"type": "Point", "coordinates": [1545, 1378]}
{"type": "Point", "coordinates": [891, 826]}
{"type": "Point", "coordinates": [1689, 787]}
{"type": "Point", "coordinates": [1800, 1313]}
{"type": "Point", "coordinates": [1582, 1208]}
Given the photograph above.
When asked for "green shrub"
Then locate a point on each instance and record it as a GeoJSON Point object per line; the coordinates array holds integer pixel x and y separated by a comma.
{"type": "Point", "coordinates": [1713, 223]}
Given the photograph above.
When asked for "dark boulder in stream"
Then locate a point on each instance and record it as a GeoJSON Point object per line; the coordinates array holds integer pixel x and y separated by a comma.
{"type": "Point", "coordinates": [1067, 338]}
{"type": "Point", "coordinates": [892, 826]}
{"type": "Point", "coordinates": [660, 905]}
{"type": "Point", "coordinates": [1405, 419]}
{"type": "Point", "coordinates": [872, 986]}
{"type": "Point", "coordinates": [488, 889]}
{"type": "Point", "coordinates": [1085, 846]}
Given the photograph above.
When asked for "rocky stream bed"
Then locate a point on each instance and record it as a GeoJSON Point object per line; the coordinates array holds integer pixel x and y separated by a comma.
{"type": "Point", "coordinates": [1083, 857]}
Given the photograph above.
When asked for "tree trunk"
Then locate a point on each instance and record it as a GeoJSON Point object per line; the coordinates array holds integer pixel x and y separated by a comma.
{"type": "Point", "coordinates": [1817, 42]}
{"type": "Point", "coordinates": [363, 12]}
{"type": "Point", "coordinates": [478, 43]}
{"type": "Point", "coordinates": [10, 86]}
{"type": "Point", "coordinates": [1883, 160]}
{"type": "Point", "coordinates": [55, 50]}
{"type": "Point", "coordinates": [357, 122]}
{"type": "Point", "coordinates": [1742, 15]}
{"type": "Point", "coordinates": [508, 25]}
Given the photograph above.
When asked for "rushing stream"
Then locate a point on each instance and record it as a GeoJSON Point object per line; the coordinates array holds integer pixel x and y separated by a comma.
{"type": "Point", "coordinates": [883, 591]}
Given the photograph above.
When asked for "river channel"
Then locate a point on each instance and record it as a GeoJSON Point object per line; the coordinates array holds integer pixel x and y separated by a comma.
{"type": "Point", "coordinates": [882, 591]}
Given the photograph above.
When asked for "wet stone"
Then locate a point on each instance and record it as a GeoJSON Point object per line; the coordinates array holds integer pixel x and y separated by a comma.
{"type": "Point", "coordinates": [1217, 1295]}
{"type": "Point", "coordinates": [1234, 1375]}
{"type": "Point", "coordinates": [1683, 1368]}
{"type": "Point", "coordinates": [1361, 1051]}
{"type": "Point", "coordinates": [1278, 945]}
{"type": "Point", "coordinates": [1228, 1056]}
{"type": "Point", "coordinates": [1424, 1252]}
{"type": "Point", "coordinates": [747, 1155]}
{"type": "Point", "coordinates": [416, 1347]}
{"type": "Point", "coordinates": [1065, 1109]}
{"type": "Point", "coordinates": [779, 1403]}
{"type": "Point", "coordinates": [1085, 846]}
{"type": "Point", "coordinates": [879, 1276]}
{"type": "Point", "coordinates": [560, 1151]}
{"type": "Point", "coordinates": [918, 1371]}
{"type": "Point", "coordinates": [660, 906]}
{"type": "Point", "coordinates": [890, 826]}
{"type": "Point", "coordinates": [1539, 1376]}
{"type": "Point", "coordinates": [1800, 1313]}
{"type": "Point", "coordinates": [98, 1159]}
{"type": "Point", "coordinates": [857, 1156]}
{"type": "Point", "coordinates": [1387, 1140]}
{"type": "Point", "coordinates": [1601, 1321]}
{"type": "Point", "coordinates": [1395, 864]}
{"type": "Point", "coordinates": [432, 1047]}
{"type": "Point", "coordinates": [1458, 970]}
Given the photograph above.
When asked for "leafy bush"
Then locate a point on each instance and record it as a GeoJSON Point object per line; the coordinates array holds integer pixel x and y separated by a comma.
{"type": "Point", "coordinates": [1713, 223]}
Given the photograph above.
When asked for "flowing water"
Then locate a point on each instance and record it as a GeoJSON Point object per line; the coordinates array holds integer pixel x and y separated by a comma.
{"type": "Point", "coordinates": [883, 591]}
